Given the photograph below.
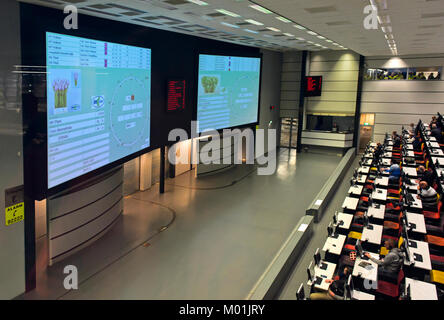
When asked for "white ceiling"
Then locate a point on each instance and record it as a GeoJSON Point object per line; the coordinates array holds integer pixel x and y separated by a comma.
{"type": "Point", "coordinates": [417, 25]}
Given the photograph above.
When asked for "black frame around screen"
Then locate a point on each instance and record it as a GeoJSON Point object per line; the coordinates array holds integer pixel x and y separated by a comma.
{"type": "Point", "coordinates": [244, 125]}
{"type": "Point", "coordinates": [173, 55]}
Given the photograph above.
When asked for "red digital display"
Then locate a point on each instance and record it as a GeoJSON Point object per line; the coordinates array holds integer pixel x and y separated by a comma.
{"type": "Point", "coordinates": [176, 95]}
{"type": "Point", "coordinates": [313, 86]}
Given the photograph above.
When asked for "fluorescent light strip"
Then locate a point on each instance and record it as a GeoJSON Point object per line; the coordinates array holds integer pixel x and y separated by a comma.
{"type": "Point", "coordinates": [289, 34]}
{"type": "Point", "coordinates": [301, 39]}
{"type": "Point", "coordinates": [273, 29]}
{"type": "Point", "coordinates": [257, 23]}
{"type": "Point", "coordinates": [321, 37]}
{"type": "Point", "coordinates": [261, 9]}
{"type": "Point", "coordinates": [283, 19]}
{"type": "Point", "coordinates": [299, 27]}
{"type": "Point", "coordinates": [230, 25]}
{"type": "Point", "coordinates": [328, 40]}
{"type": "Point", "coordinates": [251, 31]}
{"type": "Point", "coordinates": [228, 13]}
{"type": "Point", "coordinates": [198, 2]}
{"type": "Point", "coordinates": [312, 33]}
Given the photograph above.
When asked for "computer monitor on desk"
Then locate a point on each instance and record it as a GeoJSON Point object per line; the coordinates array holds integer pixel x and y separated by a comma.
{"type": "Point", "coordinates": [405, 245]}
{"type": "Point", "coordinates": [318, 260]}
{"type": "Point", "coordinates": [359, 250]}
{"type": "Point", "coordinates": [300, 294]}
{"type": "Point", "coordinates": [367, 222]}
{"type": "Point", "coordinates": [349, 288]}
{"type": "Point", "coordinates": [312, 279]}
{"type": "Point", "coordinates": [331, 230]}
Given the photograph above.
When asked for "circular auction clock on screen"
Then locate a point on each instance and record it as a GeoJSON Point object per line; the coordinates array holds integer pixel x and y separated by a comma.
{"type": "Point", "coordinates": [129, 114]}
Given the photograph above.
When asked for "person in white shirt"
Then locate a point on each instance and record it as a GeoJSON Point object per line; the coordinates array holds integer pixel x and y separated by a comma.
{"type": "Point", "coordinates": [428, 196]}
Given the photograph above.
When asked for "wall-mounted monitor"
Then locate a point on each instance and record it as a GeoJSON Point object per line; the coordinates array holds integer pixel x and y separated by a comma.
{"type": "Point", "coordinates": [98, 104]}
{"type": "Point", "coordinates": [228, 91]}
{"type": "Point", "coordinates": [176, 95]}
{"type": "Point", "coordinates": [313, 86]}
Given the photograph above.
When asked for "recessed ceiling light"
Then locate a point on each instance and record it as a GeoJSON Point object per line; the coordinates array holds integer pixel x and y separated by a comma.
{"type": "Point", "coordinates": [228, 13]}
{"type": "Point", "coordinates": [200, 3]}
{"type": "Point", "coordinates": [283, 19]}
{"type": "Point", "coordinates": [251, 31]}
{"type": "Point", "coordinates": [273, 29]}
{"type": "Point", "coordinates": [299, 27]}
{"type": "Point", "coordinates": [312, 33]}
{"type": "Point", "coordinates": [289, 34]}
{"type": "Point", "coordinates": [254, 22]}
{"type": "Point", "coordinates": [230, 25]}
{"type": "Point", "coordinates": [261, 9]}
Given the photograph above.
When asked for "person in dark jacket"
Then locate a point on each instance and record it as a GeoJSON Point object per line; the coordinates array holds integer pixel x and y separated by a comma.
{"type": "Point", "coordinates": [436, 132]}
{"type": "Point", "coordinates": [425, 175]}
{"type": "Point", "coordinates": [336, 288]}
{"type": "Point", "coordinates": [389, 267]}
{"type": "Point", "coordinates": [396, 140]}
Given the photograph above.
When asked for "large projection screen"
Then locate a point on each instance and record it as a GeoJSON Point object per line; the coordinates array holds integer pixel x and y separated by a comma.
{"type": "Point", "coordinates": [98, 98]}
{"type": "Point", "coordinates": [228, 91]}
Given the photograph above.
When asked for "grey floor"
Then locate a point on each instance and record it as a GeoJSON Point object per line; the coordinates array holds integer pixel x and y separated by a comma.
{"type": "Point", "coordinates": [219, 234]}
{"type": "Point", "coordinates": [299, 274]}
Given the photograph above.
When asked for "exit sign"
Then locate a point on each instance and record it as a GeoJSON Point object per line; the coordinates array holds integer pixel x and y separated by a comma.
{"type": "Point", "coordinates": [313, 86]}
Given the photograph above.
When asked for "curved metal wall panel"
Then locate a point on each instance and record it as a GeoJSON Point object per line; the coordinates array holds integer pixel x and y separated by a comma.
{"type": "Point", "coordinates": [78, 218]}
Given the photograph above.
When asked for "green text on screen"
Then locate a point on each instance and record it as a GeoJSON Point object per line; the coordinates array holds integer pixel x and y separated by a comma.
{"type": "Point", "coordinates": [98, 97]}
{"type": "Point", "coordinates": [228, 91]}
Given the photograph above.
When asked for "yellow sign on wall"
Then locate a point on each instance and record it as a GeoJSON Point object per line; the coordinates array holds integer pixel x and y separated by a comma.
{"type": "Point", "coordinates": [15, 213]}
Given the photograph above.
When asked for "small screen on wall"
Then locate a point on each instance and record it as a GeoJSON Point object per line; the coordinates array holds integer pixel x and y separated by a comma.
{"type": "Point", "coordinates": [313, 86]}
{"type": "Point", "coordinates": [176, 95]}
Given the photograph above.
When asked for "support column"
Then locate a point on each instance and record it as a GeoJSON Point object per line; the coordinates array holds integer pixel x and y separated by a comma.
{"type": "Point", "coordinates": [301, 100]}
{"type": "Point", "coordinates": [358, 102]}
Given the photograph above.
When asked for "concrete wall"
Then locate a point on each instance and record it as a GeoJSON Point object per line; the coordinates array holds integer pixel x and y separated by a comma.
{"type": "Point", "coordinates": [398, 103]}
{"type": "Point", "coordinates": [290, 83]}
{"type": "Point", "coordinates": [12, 247]}
{"type": "Point", "coordinates": [340, 71]}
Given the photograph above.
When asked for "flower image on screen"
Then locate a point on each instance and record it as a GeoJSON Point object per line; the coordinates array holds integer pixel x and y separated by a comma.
{"type": "Point", "coordinates": [98, 100]}
{"type": "Point", "coordinates": [228, 91]}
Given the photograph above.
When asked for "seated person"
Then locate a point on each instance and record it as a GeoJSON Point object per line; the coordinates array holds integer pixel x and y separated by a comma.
{"type": "Point", "coordinates": [428, 196]}
{"type": "Point", "coordinates": [436, 132]}
{"type": "Point", "coordinates": [389, 267]}
{"type": "Point", "coordinates": [394, 172]}
{"type": "Point", "coordinates": [417, 144]}
{"type": "Point", "coordinates": [411, 129]}
{"type": "Point", "coordinates": [425, 175]}
{"type": "Point", "coordinates": [378, 151]}
{"type": "Point", "coordinates": [336, 288]}
{"type": "Point", "coordinates": [396, 140]}
{"type": "Point", "coordinates": [434, 120]}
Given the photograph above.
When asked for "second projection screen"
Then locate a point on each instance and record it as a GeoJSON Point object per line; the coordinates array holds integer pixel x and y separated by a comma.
{"type": "Point", "coordinates": [228, 91]}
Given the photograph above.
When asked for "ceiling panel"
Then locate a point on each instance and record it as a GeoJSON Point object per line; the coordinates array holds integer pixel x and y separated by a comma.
{"type": "Point", "coordinates": [417, 25]}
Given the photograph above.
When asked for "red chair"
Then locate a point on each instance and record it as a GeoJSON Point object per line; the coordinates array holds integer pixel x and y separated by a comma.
{"type": "Point", "coordinates": [435, 215]}
{"type": "Point", "coordinates": [437, 262]}
{"type": "Point", "coordinates": [390, 289]}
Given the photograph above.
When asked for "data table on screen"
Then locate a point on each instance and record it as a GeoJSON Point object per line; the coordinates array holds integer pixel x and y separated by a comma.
{"type": "Point", "coordinates": [98, 104]}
